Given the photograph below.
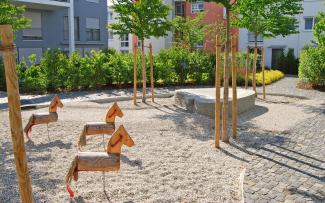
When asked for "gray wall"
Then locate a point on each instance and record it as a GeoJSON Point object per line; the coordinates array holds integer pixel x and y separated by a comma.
{"type": "Point", "coordinates": [52, 28]}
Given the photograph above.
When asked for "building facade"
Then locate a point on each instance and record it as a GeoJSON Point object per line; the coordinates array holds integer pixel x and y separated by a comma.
{"type": "Point", "coordinates": [273, 47]}
{"type": "Point", "coordinates": [70, 25]}
{"type": "Point", "coordinates": [182, 8]}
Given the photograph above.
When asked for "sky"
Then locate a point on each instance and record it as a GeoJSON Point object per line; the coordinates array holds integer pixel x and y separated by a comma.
{"type": "Point", "coordinates": [109, 2]}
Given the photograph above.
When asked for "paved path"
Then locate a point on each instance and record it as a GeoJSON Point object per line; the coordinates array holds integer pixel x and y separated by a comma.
{"type": "Point", "coordinates": [287, 165]}
{"type": "Point", "coordinates": [288, 85]}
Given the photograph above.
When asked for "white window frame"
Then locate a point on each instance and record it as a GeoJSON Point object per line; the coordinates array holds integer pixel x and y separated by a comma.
{"type": "Point", "coordinates": [110, 35]}
{"type": "Point", "coordinates": [110, 16]}
{"type": "Point", "coordinates": [196, 6]}
{"type": "Point", "coordinates": [93, 1]}
{"type": "Point", "coordinates": [124, 41]}
{"type": "Point", "coordinates": [313, 23]}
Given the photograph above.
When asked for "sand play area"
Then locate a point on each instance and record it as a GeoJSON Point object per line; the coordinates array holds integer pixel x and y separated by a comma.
{"type": "Point", "coordinates": [173, 159]}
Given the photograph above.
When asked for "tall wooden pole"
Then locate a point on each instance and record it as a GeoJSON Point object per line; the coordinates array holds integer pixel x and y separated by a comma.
{"type": "Point", "coordinates": [263, 73]}
{"type": "Point", "coordinates": [225, 137]}
{"type": "Point", "coordinates": [246, 68]}
{"type": "Point", "coordinates": [254, 70]}
{"type": "Point", "coordinates": [234, 85]}
{"type": "Point", "coordinates": [17, 135]}
{"type": "Point", "coordinates": [151, 75]}
{"type": "Point", "coordinates": [218, 83]}
{"type": "Point", "coordinates": [144, 74]}
{"type": "Point", "coordinates": [135, 61]}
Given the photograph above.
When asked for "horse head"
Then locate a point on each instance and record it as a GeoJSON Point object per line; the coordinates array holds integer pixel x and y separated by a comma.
{"type": "Point", "coordinates": [119, 138]}
{"type": "Point", "coordinates": [55, 103]}
{"type": "Point", "coordinates": [113, 112]}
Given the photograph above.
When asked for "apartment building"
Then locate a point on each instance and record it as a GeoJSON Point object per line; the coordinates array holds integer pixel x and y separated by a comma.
{"type": "Point", "coordinates": [126, 43]}
{"type": "Point", "coordinates": [273, 47]}
{"type": "Point", "coordinates": [182, 8]}
{"type": "Point", "coordinates": [70, 25]}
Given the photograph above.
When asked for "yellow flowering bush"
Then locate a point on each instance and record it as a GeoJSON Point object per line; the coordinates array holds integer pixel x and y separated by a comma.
{"type": "Point", "coordinates": [270, 77]}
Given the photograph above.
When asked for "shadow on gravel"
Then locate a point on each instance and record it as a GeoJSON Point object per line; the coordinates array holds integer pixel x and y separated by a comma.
{"type": "Point", "coordinates": [8, 181]}
{"type": "Point", "coordinates": [31, 147]}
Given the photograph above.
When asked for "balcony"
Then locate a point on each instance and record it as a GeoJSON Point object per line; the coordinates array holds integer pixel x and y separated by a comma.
{"type": "Point", "coordinates": [44, 4]}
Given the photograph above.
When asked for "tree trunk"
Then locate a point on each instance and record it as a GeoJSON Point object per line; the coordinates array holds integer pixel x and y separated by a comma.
{"type": "Point", "coordinates": [144, 76]}
{"type": "Point", "coordinates": [225, 137]}
{"type": "Point", "coordinates": [255, 64]}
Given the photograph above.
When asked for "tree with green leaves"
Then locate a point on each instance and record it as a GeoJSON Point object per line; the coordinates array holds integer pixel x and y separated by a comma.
{"type": "Point", "coordinates": [228, 4]}
{"type": "Point", "coordinates": [268, 18]}
{"type": "Point", "coordinates": [188, 32]}
{"type": "Point", "coordinates": [319, 29]}
{"type": "Point", "coordinates": [12, 15]}
{"type": "Point", "coordinates": [143, 18]}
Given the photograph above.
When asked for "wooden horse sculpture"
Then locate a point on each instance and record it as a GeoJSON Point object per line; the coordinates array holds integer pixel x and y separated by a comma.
{"type": "Point", "coordinates": [100, 161]}
{"type": "Point", "coordinates": [101, 128]}
{"type": "Point", "coordinates": [44, 118]}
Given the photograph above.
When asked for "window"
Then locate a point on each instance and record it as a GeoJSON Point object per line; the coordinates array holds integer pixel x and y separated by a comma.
{"type": "Point", "coordinates": [110, 16]}
{"type": "Point", "coordinates": [124, 41]}
{"type": "Point", "coordinates": [66, 28]}
{"type": "Point", "coordinates": [92, 29]}
{"type": "Point", "coordinates": [35, 30]}
{"type": "Point", "coordinates": [180, 9]}
{"type": "Point", "coordinates": [309, 23]}
{"type": "Point", "coordinates": [197, 6]}
{"type": "Point", "coordinates": [110, 35]}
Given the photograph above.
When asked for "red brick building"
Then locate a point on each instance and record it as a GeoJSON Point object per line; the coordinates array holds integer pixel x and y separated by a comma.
{"type": "Point", "coordinates": [214, 12]}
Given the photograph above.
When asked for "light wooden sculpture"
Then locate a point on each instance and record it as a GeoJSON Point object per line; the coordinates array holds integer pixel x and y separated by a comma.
{"type": "Point", "coordinates": [100, 161]}
{"type": "Point", "coordinates": [101, 128]}
{"type": "Point", "coordinates": [44, 118]}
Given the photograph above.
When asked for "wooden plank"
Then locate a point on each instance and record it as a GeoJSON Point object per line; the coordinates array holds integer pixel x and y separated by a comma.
{"type": "Point", "coordinates": [17, 135]}
{"type": "Point", "coordinates": [254, 70]}
{"type": "Point", "coordinates": [263, 73]}
{"type": "Point", "coordinates": [135, 61]}
{"type": "Point", "coordinates": [151, 74]}
{"type": "Point", "coordinates": [234, 85]}
{"type": "Point", "coordinates": [218, 83]}
{"type": "Point", "coordinates": [98, 161]}
{"type": "Point", "coordinates": [247, 68]}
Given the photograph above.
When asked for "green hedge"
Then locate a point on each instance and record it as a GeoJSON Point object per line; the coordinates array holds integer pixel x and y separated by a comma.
{"type": "Point", "coordinates": [312, 66]}
{"type": "Point", "coordinates": [56, 71]}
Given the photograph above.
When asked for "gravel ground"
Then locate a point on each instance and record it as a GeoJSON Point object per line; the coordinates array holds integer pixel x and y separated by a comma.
{"type": "Point", "coordinates": [173, 160]}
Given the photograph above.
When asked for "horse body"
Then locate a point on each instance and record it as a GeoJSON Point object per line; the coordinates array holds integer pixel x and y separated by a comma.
{"type": "Point", "coordinates": [44, 118]}
{"type": "Point", "coordinates": [101, 128]}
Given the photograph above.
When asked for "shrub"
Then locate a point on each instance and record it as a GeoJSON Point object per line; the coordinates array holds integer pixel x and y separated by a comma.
{"type": "Point", "coordinates": [270, 76]}
{"type": "Point", "coordinates": [34, 77]}
{"type": "Point", "coordinates": [312, 66]}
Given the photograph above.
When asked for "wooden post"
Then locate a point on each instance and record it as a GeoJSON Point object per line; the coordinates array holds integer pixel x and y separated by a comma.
{"type": "Point", "coordinates": [246, 68]}
{"type": "Point", "coordinates": [151, 74]}
{"type": "Point", "coordinates": [218, 82]}
{"type": "Point", "coordinates": [234, 85]}
{"type": "Point", "coordinates": [263, 73]}
{"type": "Point", "coordinates": [144, 74]}
{"type": "Point", "coordinates": [254, 70]}
{"type": "Point", "coordinates": [135, 61]}
{"type": "Point", "coordinates": [17, 135]}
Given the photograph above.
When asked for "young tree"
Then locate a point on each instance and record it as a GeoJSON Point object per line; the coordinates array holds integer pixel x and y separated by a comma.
{"type": "Point", "coordinates": [189, 32]}
{"type": "Point", "coordinates": [267, 18]}
{"type": "Point", "coordinates": [143, 18]}
{"type": "Point", "coordinates": [228, 4]}
{"type": "Point", "coordinates": [12, 15]}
